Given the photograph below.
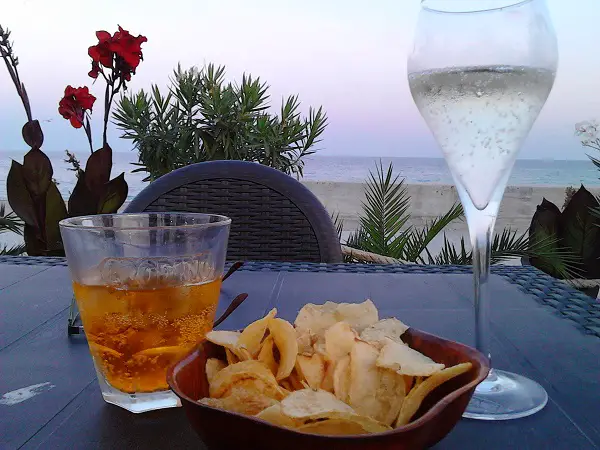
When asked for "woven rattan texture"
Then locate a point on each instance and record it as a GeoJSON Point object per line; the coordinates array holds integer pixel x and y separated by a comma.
{"type": "Point", "coordinates": [265, 225]}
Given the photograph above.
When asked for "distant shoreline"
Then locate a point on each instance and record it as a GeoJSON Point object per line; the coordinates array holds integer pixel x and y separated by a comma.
{"type": "Point", "coordinates": [427, 201]}
{"type": "Point", "coordinates": [552, 189]}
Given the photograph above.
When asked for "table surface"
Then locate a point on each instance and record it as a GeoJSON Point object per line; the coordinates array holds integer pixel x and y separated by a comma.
{"type": "Point", "coordinates": [541, 329]}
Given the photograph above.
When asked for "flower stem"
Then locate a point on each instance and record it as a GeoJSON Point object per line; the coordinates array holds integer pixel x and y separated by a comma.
{"type": "Point", "coordinates": [14, 75]}
{"type": "Point", "coordinates": [88, 131]}
{"type": "Point", "coordinates": [107, 102]}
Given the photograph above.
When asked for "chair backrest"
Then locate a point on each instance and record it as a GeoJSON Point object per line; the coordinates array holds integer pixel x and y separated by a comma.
{"type": "Point", "coordinates": [274, 217]}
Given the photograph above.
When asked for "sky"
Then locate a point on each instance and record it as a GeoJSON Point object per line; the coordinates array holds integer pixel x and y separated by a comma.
{"type": "Point", "coordinates": [347, 55]}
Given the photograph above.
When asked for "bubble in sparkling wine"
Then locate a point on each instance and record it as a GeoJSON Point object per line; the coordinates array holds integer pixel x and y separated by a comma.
{"type": "Point", "coordinates": [480, 117]}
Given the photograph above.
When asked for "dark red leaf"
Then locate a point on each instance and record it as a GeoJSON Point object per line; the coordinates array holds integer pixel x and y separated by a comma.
{"type": "Point", "coordinates": [32, 134]}
{"type": "Point", "coordinates": [82, 202]}
{"type": "Point", "coordinates": [580, 231]}
{"type": "Point", "coordinates": [97, 170]}
{"type": "Point", "coordinates": [55, 212]}
{"type": "Point", "coordinates": [115, 196]}
{"type": "Point", "coordinates": [19, 198]}
{"type": "Point", "coordinates": [37, 171]}
{"type": "Point", "coordinates": [34, 245]}
{"type": "Point", "coordinates": [545, 225]}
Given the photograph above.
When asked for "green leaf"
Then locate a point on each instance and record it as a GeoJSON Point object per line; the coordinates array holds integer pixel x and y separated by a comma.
{"type": "Point", "coordinates": [116, 194]}
{"type": "Point", "coordinates": [18, 196]}
{"type": "Point", "coordinates": [203, 118]}
{"type": "Point", "coordinates": [338, 223]}
{"type": "Point", "coordinates": [421, 238]}
{"type": "Point", "coordinates": [384, 215]}
{"type": "Point", "coordinates": [10, 222]}
{"type": "Point", "coordinates": [15, 250]}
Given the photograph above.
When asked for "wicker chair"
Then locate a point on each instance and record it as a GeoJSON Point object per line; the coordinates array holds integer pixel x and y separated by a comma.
{"type": "Point", "coordinates": [274, 217]}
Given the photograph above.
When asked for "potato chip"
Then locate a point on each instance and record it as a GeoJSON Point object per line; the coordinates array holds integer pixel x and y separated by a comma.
{"type": "Point", "coordinates": [333, 427]}
{"type": "Point", "coordinates": [390, 328]}
{"type": "Point", "coordinates": [305, 342]}
{"type": "Point", "coordinates": [213, 366]}
{"type": "Point", "coordinates": [253, 334]}
{"type": "Point", "coordinates": [285, 384]}
{"type": "Point", "coordinates": [260, 387]}
{"type": "Point", "coordinates": [293, 381]}
{"type": "Point", "coordinates": [341, 379]}
{"type": "Point", "coordinates": [284, 337]}
{"type": "Point", "coordinates": [311, 404]}
{"type": "Point", "coordinates": [373, 392]}
{"type": "Point", "coordinates": [266, 355]}
{"type": "Point", "coordinates": [311, 369]}
{"type": "Point", "coordinates": [231, 357]}
{"type": "Point", "coordinates": [274, 415]}
{"type": "Point", "coordinates": [226, 339]}
{"type": "Point", "coordinates": [318, 318]}
{"type": "Point", "coordinates": [369, 425]}
{"type": "Point", "coordinates": [406, 361]}
{"type": "Point", "coordinates": [415, 397]}
{"type": "Point", "coordinates": [230, 375]}
{"type": "Point", "coordinates": [339, 340]}
{"type": "Point", "coordinates": [315, 319]}
{"type": "Point", "coordinates": [364, 377]}
{"type": "Point", "coordinates": [391, 394]}
{"type": "Point", "coordinates": [243, 401]}
{"type": "Point", "coordinates": [319, 347]}
{"type": "Point", "coordinates": [346, 426]}
{"type": "Point", "coordinates": [408, 382]}
{"type": "Point", "coordinates": [358, 315]}
{"type": "Point", "coordinates": [327, 383]}
{"type": "Point", "coordinates": [340, 371]}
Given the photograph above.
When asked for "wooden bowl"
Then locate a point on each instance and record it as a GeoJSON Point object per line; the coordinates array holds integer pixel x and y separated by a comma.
{"type": "Point", "coordinates": [438, 414]}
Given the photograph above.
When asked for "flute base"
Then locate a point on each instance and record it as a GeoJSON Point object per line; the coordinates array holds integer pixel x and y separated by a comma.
{"type": "Point", "coordinates": [504, 396]}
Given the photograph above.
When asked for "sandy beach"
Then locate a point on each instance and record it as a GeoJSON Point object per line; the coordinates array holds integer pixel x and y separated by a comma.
{"type": "Point", "coordinates": [427, 202]}
{"type": "Point", "coordinates": [431, 200]}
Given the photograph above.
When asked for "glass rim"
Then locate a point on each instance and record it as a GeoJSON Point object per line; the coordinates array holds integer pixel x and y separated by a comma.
{"type": "Point", "coordinates": [513, 4]}
{"type": "Point", "coordinates": [70, 222]}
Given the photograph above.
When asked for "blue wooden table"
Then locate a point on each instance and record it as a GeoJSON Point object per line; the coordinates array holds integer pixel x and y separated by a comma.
{"type": "Point", "coordinates": [541, 328]}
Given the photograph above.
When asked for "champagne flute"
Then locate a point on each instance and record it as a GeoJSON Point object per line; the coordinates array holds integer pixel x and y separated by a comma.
{"type": "Point", "coordinates": [480, 73]}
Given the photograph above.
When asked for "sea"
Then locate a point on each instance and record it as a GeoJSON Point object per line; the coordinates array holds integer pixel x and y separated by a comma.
{"type": "Point", "coordinates": [355, 169]}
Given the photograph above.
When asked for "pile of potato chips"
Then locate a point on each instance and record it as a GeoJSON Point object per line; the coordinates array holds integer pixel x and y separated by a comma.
{"type": "Point", "coordinates": [338, 370]}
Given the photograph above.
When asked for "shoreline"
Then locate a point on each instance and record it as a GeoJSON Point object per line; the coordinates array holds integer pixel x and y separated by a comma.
{"type": "Point", "coordinates": [427, 201]}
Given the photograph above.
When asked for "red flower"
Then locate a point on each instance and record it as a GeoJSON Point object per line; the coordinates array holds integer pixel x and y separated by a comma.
{"type": "Point", "coordinates": [121, 52]}
{"type": "Point", "coordinates": [128, 47]}
{"type": "Point", "coordinates": [75, 103]}
{"type": "Point", "coordinates": [101, 53]}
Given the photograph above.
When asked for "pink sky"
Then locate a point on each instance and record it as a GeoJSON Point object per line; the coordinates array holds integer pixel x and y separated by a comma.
{"type": "Point", "coordinates": [349, 56]}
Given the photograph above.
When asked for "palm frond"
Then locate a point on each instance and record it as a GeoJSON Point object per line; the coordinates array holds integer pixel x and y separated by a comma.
{"type": "Point", "coordinates": [509, 244]}
{"type": "Point", "coordinates": [420, 238]}
{"type": "Point", "coordinates": [384, 215]}
{"type": "Point", "coordinates": [561, 262]}
{"type": "Point", "coordinates": [15, 250]}
{"type": "Point", "coordinates": [449, 255]}
{"type": "Point", "coordinates": [338, 223]}
{"type": "Point", "coordinates": [10, 222]}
